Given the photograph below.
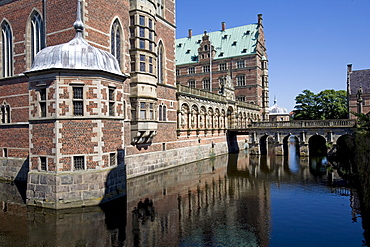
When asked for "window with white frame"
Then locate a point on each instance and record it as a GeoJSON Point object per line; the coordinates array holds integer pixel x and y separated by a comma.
{"type": "Point", "coordinates": [112, 159]}
{"type": "Point", "coordinates": [206, 84]}
{"type": "Point", "coordinates": [142, 44]}
{"type": "Point", "coordinates": [111, 101]}
{"type": "Point", "coordinates": [205, 68]}
{"type": "Point", "coordinates": [240, 64]}
{"type": "Point", "coordinates": [191, 70]}
{"type": "Point", "coordinates": [78, 108]}
{"type": "Point", "coordinates": [142, 20]}
{"type": "Point", "coordinates": [142, 63]}
{"type": "Point", "coordinates": [43, 163]}
{"type": "Point", "coordinates": [7, 50]}
{"type": "Point", "coordinates": [223, 66]}
{"type": "Point", "coordinates": [5, 113]}
{"type": "Point", "coordinates": [79, 162]}
{"type": "Point", "coordinates": [142, 110]}
{"type": "Point", "coordinates": [240, 80]}
{"type": "Point", "coordinates": [162, 112]}
{"type": "Point", "coordinates": [42, 102]}
{"type": "Point", "coordinates": [240, 98]}
{"type": "Point", "coordinates": [160, 7]}
{"type": "Point", "coordinates": [191, 83]}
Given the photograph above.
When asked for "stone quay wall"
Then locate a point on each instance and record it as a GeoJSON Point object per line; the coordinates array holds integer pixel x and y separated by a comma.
{"type": "Point", "coordinates": [143, 164]}
{"type": "Point", "coordinates": [14, 169]}
{"type": "Point", "coordinates": [77, 189]}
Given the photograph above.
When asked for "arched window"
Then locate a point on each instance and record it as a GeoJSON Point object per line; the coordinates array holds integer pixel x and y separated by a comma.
{"type": "Point", "coordinates": [160, 63]}
{"type": "Point", "coordinates": [5, 113]}
{"type": "Point", "coordinates": [7, 50]}
{"type": "Point", "coordinates": [116, 41]}
{"type": "Point", "coordinates": [37, 35]}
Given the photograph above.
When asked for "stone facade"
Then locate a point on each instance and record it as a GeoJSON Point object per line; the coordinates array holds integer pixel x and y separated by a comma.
{"type": "Point", "coordinates": [72, 130]}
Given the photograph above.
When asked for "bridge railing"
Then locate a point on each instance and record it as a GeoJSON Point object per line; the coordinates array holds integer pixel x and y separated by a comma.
{"type": "Point", "coordinates": [201, 93]}
{"type": "Point", "coordinates": [306, 123]}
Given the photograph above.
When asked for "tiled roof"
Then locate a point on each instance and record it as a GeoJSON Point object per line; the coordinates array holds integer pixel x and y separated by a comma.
{"type": "Point", "coordinates": [360, 78]}
{"type": "Point", "coordinates": [232, 42]}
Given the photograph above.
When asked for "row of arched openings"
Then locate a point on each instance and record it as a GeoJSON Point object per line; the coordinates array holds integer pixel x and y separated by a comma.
{"type": "Point", "coordinates": [201, 117]}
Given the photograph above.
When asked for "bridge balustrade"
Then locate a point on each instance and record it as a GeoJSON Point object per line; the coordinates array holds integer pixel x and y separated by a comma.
{"type": "Point", "coordinates": [306, 123]}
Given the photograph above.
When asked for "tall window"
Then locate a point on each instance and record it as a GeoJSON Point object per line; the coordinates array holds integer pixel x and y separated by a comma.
{"type": "Point", "coordinates": [111, 101]}
{"type": "Point", "coordinates": [142, 20]}
{"type": "Point", "coordinates": [112, 159]}
{"type": "Point", "coordinates": [206, 84]}
{"type": "Point", "coordinates": [43, 163]}
{"type": "Point", "coordinates": [160, 7]}
{"type": "Point", "coordinates": [191, 83]}
{"type": "Point", "coordinates": [7, 50]}
{"type": "Point", "coordinates": [5, 113]}
{"type": "Point", "coordinates": [142, 110]}
{"type": "Point", "coordinates": [162, 112]}
{"type": "Point", "coordinates": [142, 63]}
{"type": "Point", "coordinates": [116, 41]}
{"type": "Point", "coordinates": [205, 68]}
{"type": "Point", "coordinates": [160, 65]}
{"type": "Point", "coordinates": [78, 109]}
{"type": "Point", "coordinates": [240, 80]}
{"type": "Point", "coordinates": [42, 102]}
{"type": "Point", "coordinates": [151, 65]}
{"type": "Point", "coordinates": [37, 35]}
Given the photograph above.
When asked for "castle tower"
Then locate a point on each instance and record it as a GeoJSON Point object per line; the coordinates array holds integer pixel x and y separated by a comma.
{"type": "Point", "coordinates": [75, 125]}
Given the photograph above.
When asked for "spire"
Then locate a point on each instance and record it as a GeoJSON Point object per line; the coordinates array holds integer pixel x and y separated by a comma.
{"type": "Point", "coordinates": [275, 100]}
{"type": "Point", "coordinates": [78, 25]}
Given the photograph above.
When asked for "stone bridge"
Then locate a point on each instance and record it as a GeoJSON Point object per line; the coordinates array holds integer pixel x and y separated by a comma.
{"type": "Point", "coordinates": [316, 137]}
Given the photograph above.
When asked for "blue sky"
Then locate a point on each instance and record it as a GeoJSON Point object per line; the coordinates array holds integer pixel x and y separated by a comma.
{"type": "Point", "coordinates": [309, 43]}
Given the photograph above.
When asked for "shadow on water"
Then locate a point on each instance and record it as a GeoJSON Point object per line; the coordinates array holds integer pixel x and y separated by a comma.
{"type": "Point", "coordinates": [116, 220]}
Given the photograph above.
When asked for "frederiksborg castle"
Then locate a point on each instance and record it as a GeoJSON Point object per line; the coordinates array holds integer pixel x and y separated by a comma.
{"type": "Point", "coordinates": [94, 91]}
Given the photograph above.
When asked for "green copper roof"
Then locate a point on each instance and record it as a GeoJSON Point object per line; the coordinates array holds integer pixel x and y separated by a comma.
{"type": "Point", "coordinates": [232, 42]}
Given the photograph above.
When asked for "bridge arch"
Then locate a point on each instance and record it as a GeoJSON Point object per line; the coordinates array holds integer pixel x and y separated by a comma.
{"type": "Point", "coordinates": [290, 141]}
{"type": "Point", "coordinates": [317, 145]}
{"type": "Point", "coordinates": [267, 144]}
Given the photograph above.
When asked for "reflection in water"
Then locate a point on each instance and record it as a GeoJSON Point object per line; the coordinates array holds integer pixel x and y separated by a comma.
{"type": "Point", "coordinates": [231, 200]}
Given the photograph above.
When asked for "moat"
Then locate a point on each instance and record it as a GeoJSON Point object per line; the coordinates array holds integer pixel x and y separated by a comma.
{"type": "Point", "coordinates": [230, 200]}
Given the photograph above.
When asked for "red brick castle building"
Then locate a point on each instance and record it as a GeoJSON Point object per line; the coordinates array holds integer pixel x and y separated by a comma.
{"type": "Point", "coordinates": [84, 105]}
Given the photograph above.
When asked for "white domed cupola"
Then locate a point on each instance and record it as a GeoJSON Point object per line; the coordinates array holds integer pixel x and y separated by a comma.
{"type": "Point", "coordinates": [275, 109]}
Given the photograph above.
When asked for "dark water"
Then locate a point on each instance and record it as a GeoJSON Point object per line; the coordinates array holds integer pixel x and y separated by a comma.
{"type": "Point", "coordinates": [231, 200]}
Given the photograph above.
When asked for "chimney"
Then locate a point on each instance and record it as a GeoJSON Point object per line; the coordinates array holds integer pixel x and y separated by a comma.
{"type": "Point", "coordinates": [190, 33]}
{"type": "Point", "coordinates": [260, 19]}
{"type": "Point", "coordinates": [349, 68]}
{"type": "Point", "coordinates": [223, 26]}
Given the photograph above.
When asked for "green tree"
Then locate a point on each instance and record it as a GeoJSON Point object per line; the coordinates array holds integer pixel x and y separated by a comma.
{"type": "Point", "coordinates": [363, 121]}
{"type": "Point", "coordinates": [328, 104]}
